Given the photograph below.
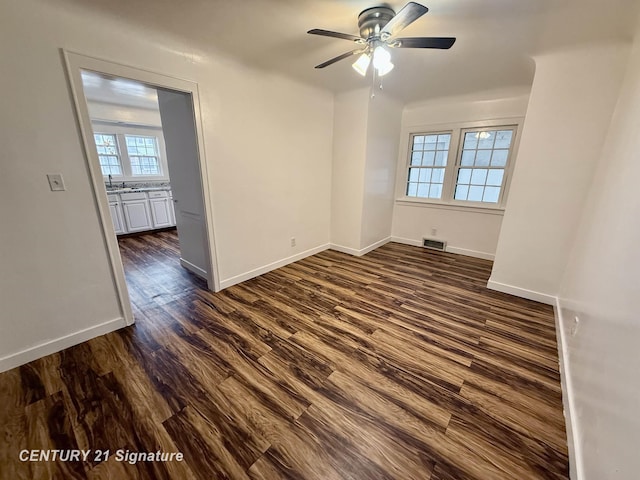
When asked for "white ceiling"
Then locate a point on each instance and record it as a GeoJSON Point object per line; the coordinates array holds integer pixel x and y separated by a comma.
{"type": "Point", "coordinates": [118, 91]}
{"type": "Point", "coordinates": [496, 38]}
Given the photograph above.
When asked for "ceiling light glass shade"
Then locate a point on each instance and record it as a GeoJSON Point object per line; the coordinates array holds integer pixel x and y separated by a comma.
{"type": "Point", "coordinates": [382, 60]}
{"type": "Point", "coordinates": [362, 64]}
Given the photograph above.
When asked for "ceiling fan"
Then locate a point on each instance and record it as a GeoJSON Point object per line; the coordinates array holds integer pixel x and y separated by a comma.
{"type": "Point", "coordinates": [379, 27]}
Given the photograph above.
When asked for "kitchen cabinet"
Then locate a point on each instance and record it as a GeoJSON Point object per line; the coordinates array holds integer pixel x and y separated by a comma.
{"type": "Point", "coordinates": [116, 214]}
{"type": "Point", "coordinates": [141, 211]}
{"type": "Point", "coordinates": [135, 207]}
{"type": "Point", "coordinates": [160, 205]}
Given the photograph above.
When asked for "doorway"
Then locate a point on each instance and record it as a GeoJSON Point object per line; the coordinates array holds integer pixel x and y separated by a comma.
{"type": "Point", "coordinates": [154, 157]}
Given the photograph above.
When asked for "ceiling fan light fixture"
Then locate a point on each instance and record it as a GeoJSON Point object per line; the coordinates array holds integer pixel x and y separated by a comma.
{"type": "Point", "coordinates": [382, 60]}
{"type": "Point", "coordinates": [361, 65]}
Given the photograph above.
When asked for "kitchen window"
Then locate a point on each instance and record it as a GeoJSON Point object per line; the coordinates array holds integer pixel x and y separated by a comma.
{"type": "Point", "coordinates": [462, 166]}
{"type": "Point", "coordinates": [127, 155]}
{"type": "Point", "coordinates": [108, 154]}
{"type": "Point", "coordinates": [143, 155]}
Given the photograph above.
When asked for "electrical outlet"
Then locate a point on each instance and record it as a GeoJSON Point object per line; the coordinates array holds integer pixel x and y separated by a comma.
{"type": "Point", "coordinates": [56, 182]}
{"type": "Point", "coordinates": [293, 241]}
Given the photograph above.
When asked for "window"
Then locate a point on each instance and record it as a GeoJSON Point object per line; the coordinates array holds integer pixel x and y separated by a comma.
{"type": "Point", "coordinates": [108, 154]}
{"type": "Point", "coordinates": [131, 153]}
{"type": "Point", "coordinates": [428, 161]}
{"type": "Point", "coordinates": [481, 169]}
{"type": "Point", "coordinates": [143, 155]}
{"type": "Point", "coordinates": [464, 165]}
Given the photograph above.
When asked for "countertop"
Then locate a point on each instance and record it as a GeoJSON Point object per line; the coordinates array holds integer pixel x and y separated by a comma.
{"type": "Point", "coordinates": [136, 189]}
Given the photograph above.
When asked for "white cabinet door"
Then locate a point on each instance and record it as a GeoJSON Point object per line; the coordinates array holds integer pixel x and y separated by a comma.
{"type": "Point", "coordinates": [116, 217]}
{"type": "Point", "coordinates": [160, 213]}
{"type": "Point", "coordinates": [136, 215]}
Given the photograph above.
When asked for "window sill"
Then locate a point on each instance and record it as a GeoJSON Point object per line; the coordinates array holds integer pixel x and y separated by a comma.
{"type": "Point", "coordinates": [424, 203]}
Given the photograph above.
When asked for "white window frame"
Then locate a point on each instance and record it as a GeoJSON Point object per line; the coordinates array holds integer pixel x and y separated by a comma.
{"type": "Point", "coordinates": [120, 130]}
{"type": "Point", "coordinates": [156, 142]}
{"type": "Point", "coordinates": [457, 131]}
{"type": "Point", "coordinates": [118, 154]}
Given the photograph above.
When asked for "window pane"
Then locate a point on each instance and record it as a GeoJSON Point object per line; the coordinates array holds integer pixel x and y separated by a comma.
{"type": "Point", "coordinates": [412, 190]}
{"type": "Point", "coordinates": [478, 177]}
{"type": "Point", "coordinates": [461, 192]}
{"type": "Point", "coordinates": [437, 175]}
{"type": "Point", "coordinates": [464, 175]}
{"type": "Point", "coordinates": [435, 191]}
{"type": "Point", "coordinates": [423, 190]}
{"type": "Point", "coordinates": [503, 139]}
{"type": "Point", "coordinates": [441, 159]}
{"type": "Point", "coordinates": [413, 174]}
{"type": "Point", "coordinates": [418, 139]}
{"type": "Point", "coordinates": [430, 142]}
{"type": "Point", "coordinates": [486, 139]}
{"type": "Point", "coordinates": [475, 194]}
{"type": "Point", "coordinates": [499, 158]}
{"type": "Point", "coordinates": [416, 158]}
{"type": "Point", "coordinates": [495, 177]}
{"type": "Point", "coordinates": [482, 158]}
{"type": "Point", "coordinates": [470, 140]}
{"type": "Point", "coordinates": [427, 158]}
{"type": "Point", "coordinates": [443, 141]}
{"type": "Point", "coordinates": [425, 175]}
{"type": "Point", "coordinates": [491, 194]}
{"type": "Point", "coordinates": [468, 157]}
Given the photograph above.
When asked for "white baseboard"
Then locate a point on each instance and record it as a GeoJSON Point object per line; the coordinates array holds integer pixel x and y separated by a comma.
{"type": "Point", "coordinates": [362, 251]}
{"type": "Point", "coordinates": [521, 292]}
{"type": "Point", "coordinates": [568, 397]}
{"type": "Point", "coordinates": [470, 253]}
{"type": "Point", "coordinates": [52, 346]}
{"type": "Point", "coordinates": [407, 241]}
{"type": "Point", "coordinates": [450, 249]}
{"type": "Point", "coordinates": [193, 268]}
{"type": "Point", "coordinates": [272, 266]}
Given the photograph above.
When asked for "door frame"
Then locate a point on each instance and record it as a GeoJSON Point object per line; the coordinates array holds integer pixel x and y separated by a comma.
{"type": "Point", "coordinates": [75, 62]}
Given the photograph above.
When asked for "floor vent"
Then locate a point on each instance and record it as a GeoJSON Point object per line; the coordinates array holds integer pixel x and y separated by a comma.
{"type": "Point", "coordinates": [434, 244]}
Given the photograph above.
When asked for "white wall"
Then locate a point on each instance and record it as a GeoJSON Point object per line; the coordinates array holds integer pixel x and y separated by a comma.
{"type": "Point", "coordinates": [601, 287]}
{"type": "Point", "coordinates": [267, 143]}
{"type": "Point", "coordinates": [383, 136]}
{"type": "Point", "coordinates": [570, 107]}
{"type": "Point", "coordinates": [347, 177]}
{"type": "Point", "coordinates": [365, 146]}
{"type": "Point", "coordinates": [467, 231]}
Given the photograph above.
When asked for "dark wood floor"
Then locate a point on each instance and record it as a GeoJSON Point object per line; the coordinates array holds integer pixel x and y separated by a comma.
{"type": "Point", "coordinates": [396, 365]}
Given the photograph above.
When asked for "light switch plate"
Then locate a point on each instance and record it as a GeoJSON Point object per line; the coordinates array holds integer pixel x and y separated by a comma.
{"type": "Point", "coordinates": [56, 182]}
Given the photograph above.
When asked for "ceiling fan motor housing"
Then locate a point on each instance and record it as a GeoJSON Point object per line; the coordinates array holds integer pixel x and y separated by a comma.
{"type": "Point", "coordinates": [372, 20]}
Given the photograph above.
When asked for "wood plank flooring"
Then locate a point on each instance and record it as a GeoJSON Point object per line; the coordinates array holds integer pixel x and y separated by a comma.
{"type": "Point", "coordinates": [396, 365]}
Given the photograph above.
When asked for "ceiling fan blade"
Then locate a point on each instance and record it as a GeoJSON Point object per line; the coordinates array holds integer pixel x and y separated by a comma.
{"type": "Point", "coordinates": [424, 42]}
{"type": "Point", "coordinates": [340, 57]}
{"type": "Point", "coordinates": [329, 33]}
{"type": "Point", "coordinates": [405, 17]}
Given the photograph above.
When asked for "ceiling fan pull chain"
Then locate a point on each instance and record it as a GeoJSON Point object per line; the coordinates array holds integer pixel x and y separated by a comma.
{"type": "Point", "coordinates": [373, 83]}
